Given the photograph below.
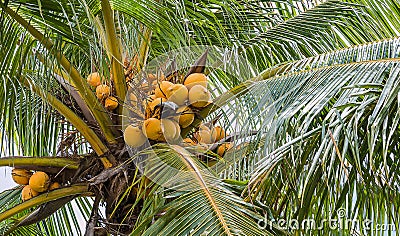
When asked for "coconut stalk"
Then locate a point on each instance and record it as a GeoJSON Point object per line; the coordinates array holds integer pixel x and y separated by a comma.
{"type": "Point", "coordinates": [88, 96]}
{"type": "Point", "coordinates": [143, 49]}
{"type": "Point", "coordinates": [61, 162]}
{"type": "Point", "coordinates": [113, 44]}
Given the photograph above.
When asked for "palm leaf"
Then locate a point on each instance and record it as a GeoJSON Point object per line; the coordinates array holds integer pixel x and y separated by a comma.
{"type": "Point", "coordinates": [330, 130]}
{"type": "Point", "coordinates": [202, 203]}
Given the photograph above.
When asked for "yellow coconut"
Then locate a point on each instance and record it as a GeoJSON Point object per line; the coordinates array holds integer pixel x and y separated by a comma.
{"type": "Point", "coordinates": [111, 103]}
{"type": "Point", "coordinates": [223, 148]}
{"type": "Point", "coordinates": [202, 126]}
{"type": "Point", "coordinates": [154, 84]}
{"type": "Point", "coordinates": [102, 91]}
{"type": "Point", "coordinates": [178, 94]}
{"type": "Point", "coordinates": [205, 136]}
{"type": "Point", "coordinates": [54, 185]}
{"type": "Point", "coordinates": [133, 98]}
{"type": "Point", "coordinates": [21, 176]}
{"type": "Point", "coordinates": [28, 193]}
{"type": "Point", "coordinates": [152, 129]}
{"type": "Point", "coordinates": [199, 96]}
{"type": "Point", "coordinates": [94, 79]}
{"type": "Point", "coordinates": [187, 116]}
{"type": "Point", "coordinates": [219, 132]}
{"type": "Point", "coordinates": [155, 102]}
{"type": "Point", "coordinates": [161, 89]}
{"type": "Point", "coordinates": [178, 131]}
{"type": "Point", "coordinates": [170, 129]}
{"type": "Point", "coordinates": [134, 136]}
{"type": "Point", "coordinates": [39, 181]}
{"type": "Point", "coordinates": [196, 79]}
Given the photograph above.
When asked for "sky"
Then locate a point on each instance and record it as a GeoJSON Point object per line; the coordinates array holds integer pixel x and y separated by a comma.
{"type": "Point", "coordinates": [6, 181]}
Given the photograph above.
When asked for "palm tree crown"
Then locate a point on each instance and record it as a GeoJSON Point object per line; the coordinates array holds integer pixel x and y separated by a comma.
{"type": "Point", "coordinates": [305, 95]}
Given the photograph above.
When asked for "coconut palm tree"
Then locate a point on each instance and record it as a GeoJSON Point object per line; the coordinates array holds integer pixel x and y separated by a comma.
{"type": "Point", "coordinates": [309, 98]}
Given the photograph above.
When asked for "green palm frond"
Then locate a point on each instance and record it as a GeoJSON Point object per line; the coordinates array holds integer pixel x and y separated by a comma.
{"type": "Point", "coordinates": [21, 110]}
{"type": "Point", "coordinates": [336, 127]}
{"type": "Point", "coordinates": [15, 214]}
{"type": "Point", "coordinates": [202, 204]}
{"type": "Point", "coordinates": [67, 20]}
{"type": "Point", "coordinates": [332, 25]}
{"type": "Point", "coordinates": [65, 219]}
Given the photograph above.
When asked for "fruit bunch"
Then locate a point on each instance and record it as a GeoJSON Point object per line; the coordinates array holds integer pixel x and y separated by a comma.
{"type": "Point", "coordinates": [103, 91]}
{"type": "Point", "coordinates": [211, 138]}
{"type": "Point", "coordinates": [167, 108]}
{"type": "Point", "coordinates": [35, 183]}
{"type": "Point", "coordinates": [164, 108]}
{"type": "Point", "coordinates": [161, 106]}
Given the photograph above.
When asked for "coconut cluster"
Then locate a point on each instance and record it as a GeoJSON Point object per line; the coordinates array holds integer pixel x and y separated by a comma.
{"type": "Point", "coordinates": [168, 108]}
{"type": "Point", "coordinates": [35, 182]}
{"type": "Point", "coordinates": [103, 91]}
{"type": "Point", "coordinates": [210, 137]}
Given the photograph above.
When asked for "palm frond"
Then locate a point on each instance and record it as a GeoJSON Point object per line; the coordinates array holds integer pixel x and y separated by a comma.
{"type": "Point", "coordinates": [65, 220]}
{"type": "Point", "coordinates": [202, 203]}
{"type": "Point", "coordinates": [332, 25]}
{"type": "Point", "coordinates": [336, 127]}
{"type": "Point", "coordinates": [21, 110]}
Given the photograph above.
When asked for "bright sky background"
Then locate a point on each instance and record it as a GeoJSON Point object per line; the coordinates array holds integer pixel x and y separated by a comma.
{"type": "Point", "coordinates": [6, 181]}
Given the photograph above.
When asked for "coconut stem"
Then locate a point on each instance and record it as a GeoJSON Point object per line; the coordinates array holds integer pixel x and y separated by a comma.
{"type": "Point", "coordinates": [40, 161]}
{"type": "Point", "coordinates": [144, 48]}
{"type": "Point", "coordinates": [114, 45]}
